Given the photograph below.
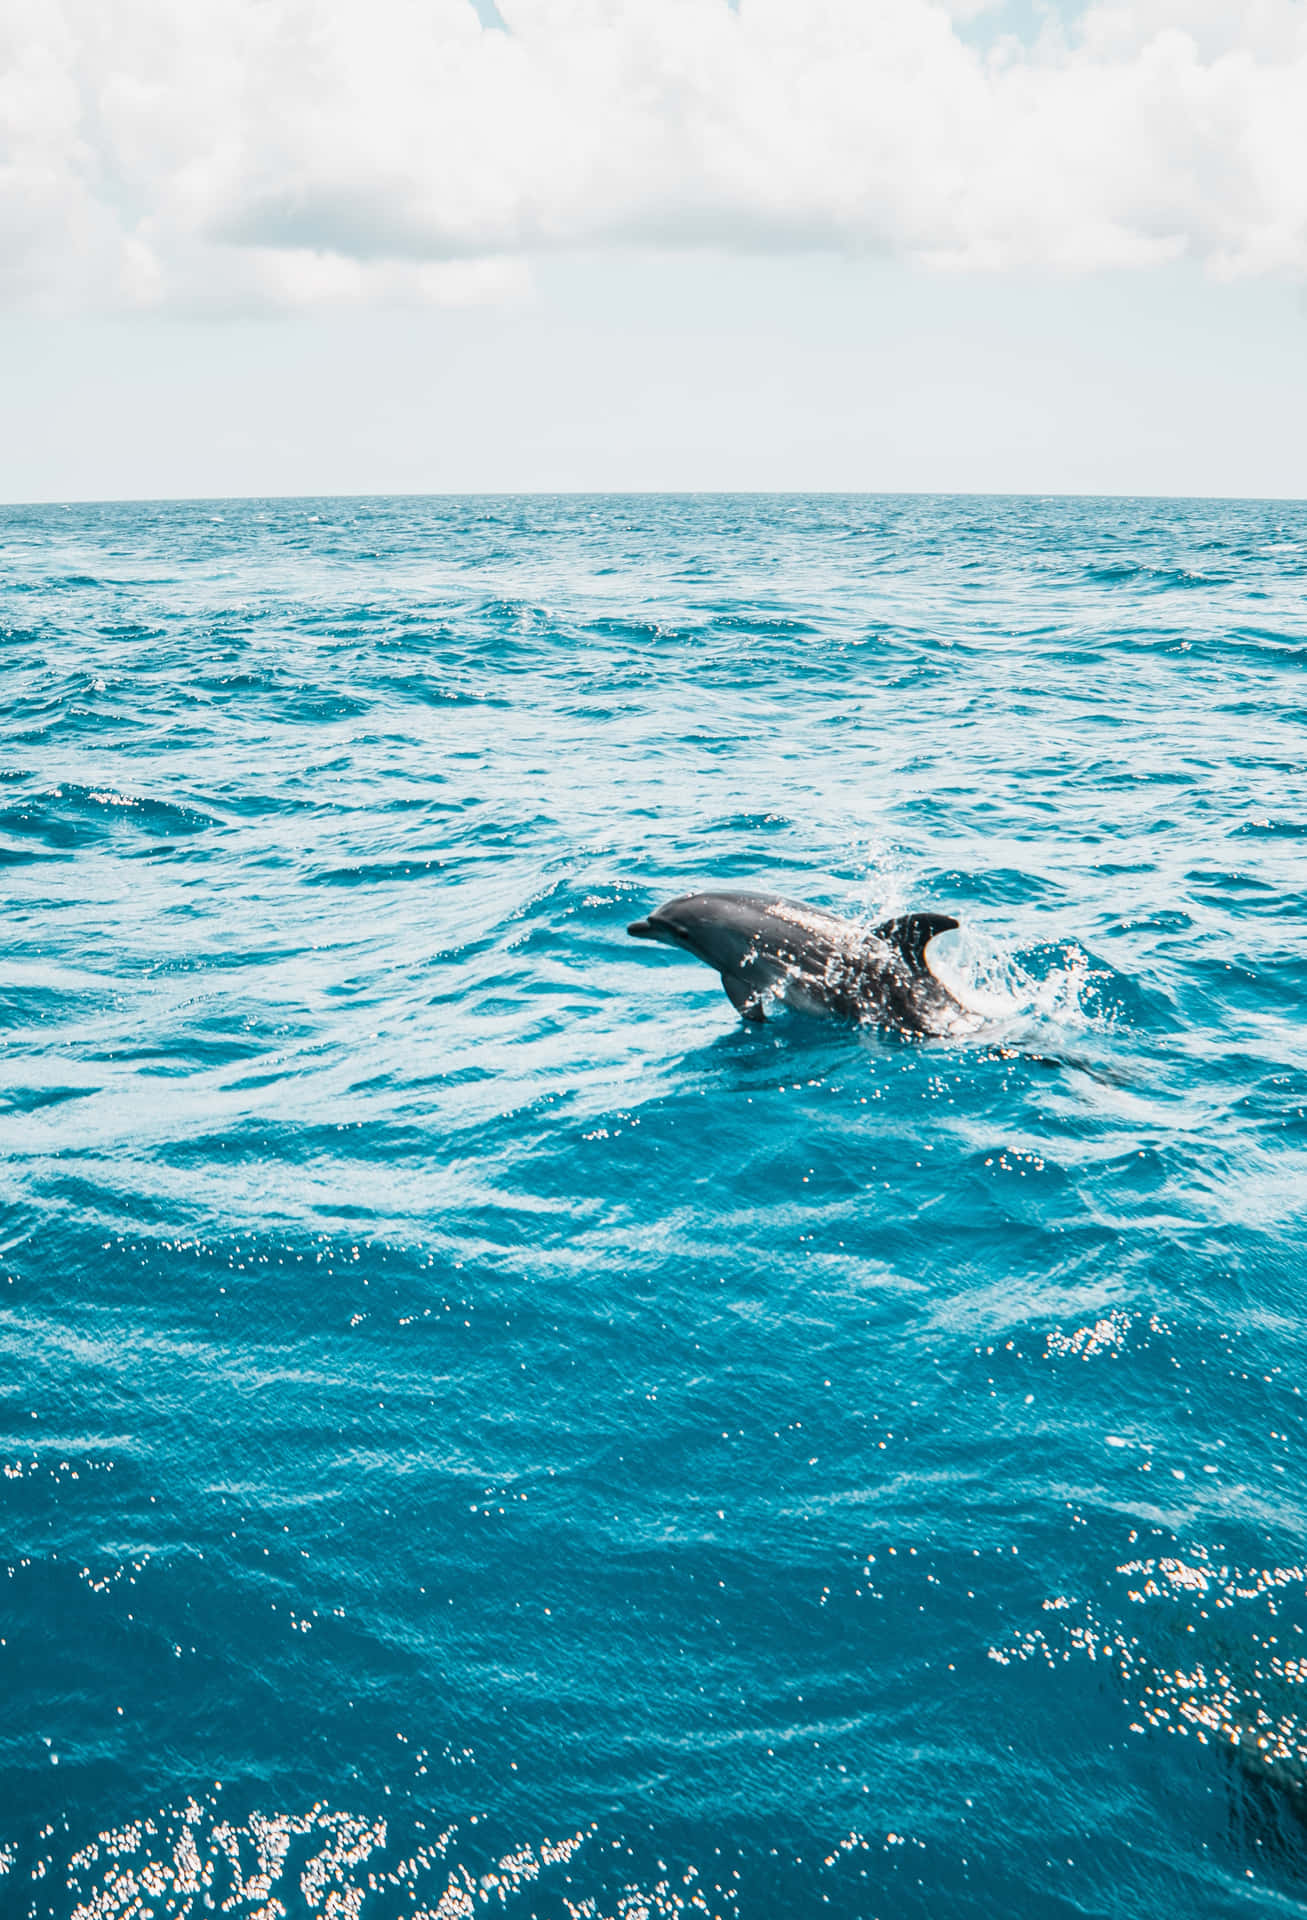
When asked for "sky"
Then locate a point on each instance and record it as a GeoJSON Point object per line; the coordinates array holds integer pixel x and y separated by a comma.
{"type": "Point", "coordinates": [322, 246]}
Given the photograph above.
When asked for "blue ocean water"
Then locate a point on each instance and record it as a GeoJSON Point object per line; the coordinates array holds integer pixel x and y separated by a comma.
{"type": "Point", "coordinates": [485, 1430]}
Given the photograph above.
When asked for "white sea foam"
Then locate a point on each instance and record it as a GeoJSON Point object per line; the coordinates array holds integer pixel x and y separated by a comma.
{"type": "Point", "coordinates": [1006, 994]}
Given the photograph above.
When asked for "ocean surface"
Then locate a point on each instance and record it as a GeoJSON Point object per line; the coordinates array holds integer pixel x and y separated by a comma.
{"type": "Point", "coordinates": [485, 1430]}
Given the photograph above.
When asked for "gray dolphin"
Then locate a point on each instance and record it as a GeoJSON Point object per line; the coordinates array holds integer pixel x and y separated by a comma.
{"type": "Point", "coordinates": [765, 947]}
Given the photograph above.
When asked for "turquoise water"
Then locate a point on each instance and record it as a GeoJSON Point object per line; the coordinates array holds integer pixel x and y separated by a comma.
{"type": "Point", "coordinates": [485, 1430]}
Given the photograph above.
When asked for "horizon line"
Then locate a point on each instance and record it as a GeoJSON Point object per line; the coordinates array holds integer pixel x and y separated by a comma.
{"type": "Point", "coordinates": [655, 493]}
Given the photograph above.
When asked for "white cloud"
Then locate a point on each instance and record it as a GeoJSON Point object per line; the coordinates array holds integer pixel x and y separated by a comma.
{"type": "Point", "coordinates": [275, 151]}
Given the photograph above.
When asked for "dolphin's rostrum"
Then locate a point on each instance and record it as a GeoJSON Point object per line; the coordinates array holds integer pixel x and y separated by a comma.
{"type": "Point", "coordinates": [768, 948]}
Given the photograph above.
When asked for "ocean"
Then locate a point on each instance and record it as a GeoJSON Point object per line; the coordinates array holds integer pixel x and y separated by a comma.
{"type": "Point", "coordinates": [486, 1430]}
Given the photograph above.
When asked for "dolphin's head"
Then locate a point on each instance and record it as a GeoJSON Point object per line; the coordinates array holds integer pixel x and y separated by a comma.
{"type": "Point", "coordinates": [665, 924]}
{"type": "Point", "coordinates": [716, 927]}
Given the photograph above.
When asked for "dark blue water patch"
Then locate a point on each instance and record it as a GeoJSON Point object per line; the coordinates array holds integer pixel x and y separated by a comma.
{"type": "Point", "coordinates": [375, 873]}
{"type": "Point", "coordinates": [1270, 829]}
{"type": "Point", "coordinates": [423, 689]}
{"type": "Point", "coordinates": [194, 1053]}
{"type": "Point", "coordinates": [1231, 981]}
{"type": "Point", "coordinates": [69, 817]}
{"type": "Point", "coordinates": [56, 582]}
{"type": "Point", "coordinates": [1002, 887]}
{"type": "Point", "coordinates": [1284, 647]}
{"type": "Point", "coordinates": [316, 703]}
{"type": "Point", "coordinates": [240, 682]}
{"type": "Point", "coordinates": [1259, 899]}
{"type": "Point", "coordinates": [33, 1099]}
{"type": "Point", "coordinates": [44, 1004]}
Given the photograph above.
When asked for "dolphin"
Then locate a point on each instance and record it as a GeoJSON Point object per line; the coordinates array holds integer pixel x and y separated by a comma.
{"type": "Point", "coordinates": [767, 948]}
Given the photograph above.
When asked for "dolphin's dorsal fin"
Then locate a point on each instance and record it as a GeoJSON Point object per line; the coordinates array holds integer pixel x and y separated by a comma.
{"type": "Point", "coordinates": [909, 934]}
{"type": "Point", "coordinates": [744, 998]}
